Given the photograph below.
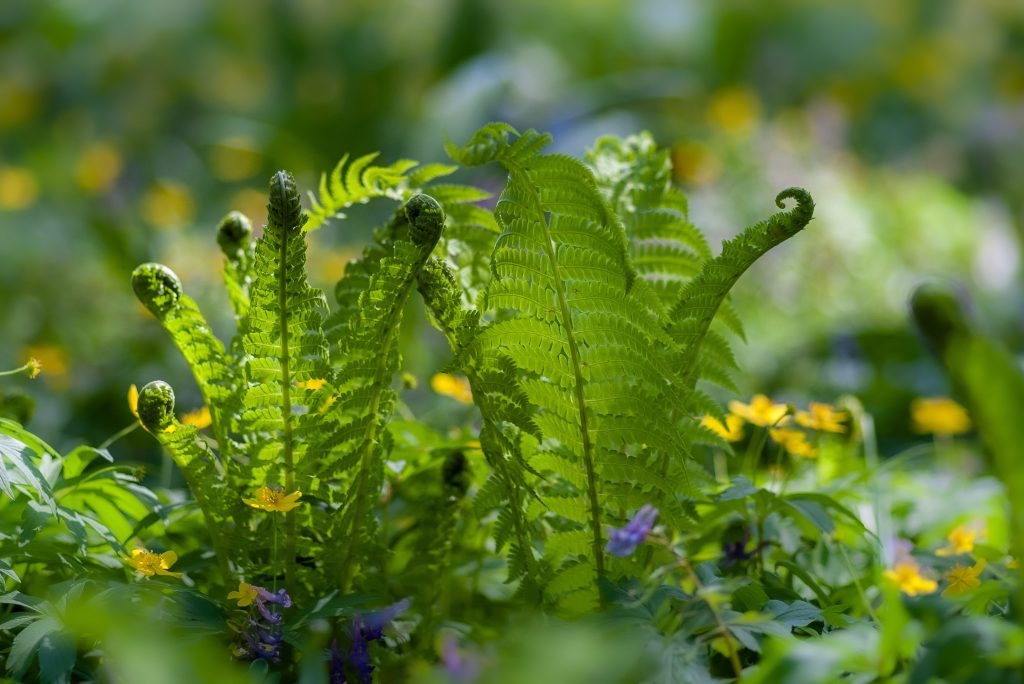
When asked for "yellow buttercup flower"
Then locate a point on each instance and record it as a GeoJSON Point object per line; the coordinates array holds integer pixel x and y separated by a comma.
{"type": "Point", "coordinates": [200, 418]}
{"type": "Point", "coordinates": [794, 442]}
{"type": "Point", "coordinates": [961, 541]}
{"type": "Point", "coordinates": [35, 367]}
{"type": "Point", "coordinates": [960, 579]}
{"type": "Point", "coordinates": [273, 499]}
{"type": "Point", "coordinates": [907, 576]}
{"type": "Point", "coordinates": [245, 595]}
{"type": "Point", "coordinates": [939, 416]}
{"type": "Point", "coordinates": [732, 431]}
{"type": "Point", "coordinates": [133, 400]}
{"type": "Point", "coordinates": [760, 411]}
{"type": "Point", "coordinates": [823, 417]}
{"type": "Point", "coordinates": [452, 386]}
{"type": "Point", "coordinates": [312, 383]}
{"type": "Point", "coordinates": [147, 563]}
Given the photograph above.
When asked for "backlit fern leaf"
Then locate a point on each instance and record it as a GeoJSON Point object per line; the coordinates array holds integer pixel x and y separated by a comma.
{"type": "Point", "coordinates": [356, 184]}
{"type": "Point", "coordinates": [369, 358]}
{"type": "Point", "coordinates": [589, 355]}
{"type": "Point", "coordinates": [160, 290]}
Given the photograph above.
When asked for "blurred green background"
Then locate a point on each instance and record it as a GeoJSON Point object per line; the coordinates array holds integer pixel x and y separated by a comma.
{"type": "Point", "coordinates": [128, 128]}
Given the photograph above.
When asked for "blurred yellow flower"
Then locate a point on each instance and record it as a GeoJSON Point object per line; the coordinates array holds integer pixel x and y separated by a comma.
{"type": "Point", "coordinates": [200, 418]}
{"type": "Point", "coordinates": [823, 417]}
{"type": "Point", "coordinates": [98, 167]}
{"type": "Point", "coordinates": [167, 205]}
{"type": "Point", "coordinates": [732, 431]}
{"type": "Point", "coordinates": [794, 442]}
{"type": "Point", "coordinates": [451, 386]}
{"type": "Point", "coordinates": [311, 384]}
{"type": "Point", "coordinates": [760, 411]}
{"type": "Point", "coordinates": [734, 110]}
{"type": "Point", "coordinates": [133, 400]}
{"type": "Point", "coordinates": [940, 416]}
{"type": "Point", "coordinates": [147, 563]}
{"type": "Point", "coordinates": [273, 499]}
{"type": "Point", "coordinates": [35, 367]}
{"type": "Point", "coordinates": [961, 579]}
{"type": "Point", "coordinates": [245, 595]}
{"type": "Point", "coordinates": [695, 162]}
{"type": "Point", "coordinates": [51, 357]}
{"type": "Point", "coordinates": [907, 576]}
{"type": "Point", "coordinates": [961, 541]}
{"type": "Point", "coordinates": [18, 188]}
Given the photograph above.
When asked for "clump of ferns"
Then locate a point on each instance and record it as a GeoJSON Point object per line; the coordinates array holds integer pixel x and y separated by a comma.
{"type": "Point", "coordinates": [599, 312]}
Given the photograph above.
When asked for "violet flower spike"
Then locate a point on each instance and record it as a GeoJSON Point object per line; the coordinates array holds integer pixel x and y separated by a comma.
{"type": "Point", "coordinates": [622, 541]}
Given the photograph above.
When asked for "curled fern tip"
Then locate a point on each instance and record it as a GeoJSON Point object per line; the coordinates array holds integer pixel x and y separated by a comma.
{"type": "Point", "coordinates": [234, 232]}
{"type": "Point", "coordinates": [157, 287]}
{"type": "Point", "coordinates": [426, 219]}
{"type": "Point", "coordinates": [285, 208]}
{"type": "Point", "coordinates": [804, 202]}
{"type": "Point", "coordinates": [156, 405]}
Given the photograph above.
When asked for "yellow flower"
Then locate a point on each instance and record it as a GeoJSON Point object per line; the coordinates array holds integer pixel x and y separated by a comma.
{"type": "Point", "coordinates": [35, 367]}
{"type": "Point", "coordinates": [18, 188]}
{"type": "Point", "coordinates": [49, 356]}
{"type": "Point", "coordinates": [273, 499]}
{"type": "Point", "coordinates": [961, 540]}
{"type": "Point", "coordinates": [940, 416]}
{"type": "Point", "coordinates": [200, 418]}
{"type": "Point", "coordinates": [822, 417]}
{"type": "Point", "coordinates": [732, 431]}
{"type": "Point", "coordinates": [961, 579]}
{"type": "Point", "coordinates": [452, 386]}
{"type": "Point", "coordinates": [147, 563]}
{"type": "Point", "coordinates": [167, 205]}
{"type": "Point", "coordinates": [98, 167]}
{"type": "Point", "coordinates": [245, 595]}
{"type": "Point", "coordinates": [133, 400]}
{"type": "Point", "coordinates": [761, 411]}
{"type": "Point", "coordinates": [795, 442]}
{"type": "Point", "coordinates": [907, 576]}
{"type": "Point", "coordinates": [312, 383]}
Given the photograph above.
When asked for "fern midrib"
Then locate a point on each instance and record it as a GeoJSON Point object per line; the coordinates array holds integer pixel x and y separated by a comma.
{"type": "Point", "coordinates": [286, 400]}
{"type": "Point", "coordinates": [380, 376]}
{"type": "Point", "coordinates": [597, 547]}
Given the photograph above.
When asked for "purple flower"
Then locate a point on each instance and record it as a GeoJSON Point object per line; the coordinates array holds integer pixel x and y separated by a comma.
{"type": "Point", "coordinates": [365, 628]}
{"type": "Point", "coordinates": [261, 637]}
{"type": "Point", "coordinates": [622, 541]}
{"type": "Point", "coordinates": [463, 668]}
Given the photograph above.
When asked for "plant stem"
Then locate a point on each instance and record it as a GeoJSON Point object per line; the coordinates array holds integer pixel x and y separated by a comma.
{"type": "Point", "coordinates": [119, 434]}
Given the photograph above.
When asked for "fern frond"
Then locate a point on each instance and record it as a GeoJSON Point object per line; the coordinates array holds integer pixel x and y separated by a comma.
{"type": "Point", "coordinates": [284, 346]}
{"type": "Point", "coordinates": [203, 472]}
{"type": "Point", "coordinates": [636, 178]}
{"type": "Point", "coordinates": [701, 299]}
{"type": "Point", "coordinates": [369, 359]}
{"type": "Point", "coordinates": [358, 183]}
{"type": "Point", "coordinates": [234, 235]}
{"type": "Point", "coordinates": [160, 291]}
{"type": "Point", "coordinates": [589, 353]}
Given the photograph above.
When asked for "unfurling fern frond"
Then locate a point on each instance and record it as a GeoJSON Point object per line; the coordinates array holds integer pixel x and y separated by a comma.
{"type": "Point", "coordinates": [364, 399]}
{"type": "Point", "coordinates": [234, 235]}
{"type": "Point", "coordinates": [160, 291]}
{"type": "Point", "coordinates": [284, 345]}
{"type": "Point", "coordinates": [699, 302]}
{"type": "Point", "coordinates": [203, 471]}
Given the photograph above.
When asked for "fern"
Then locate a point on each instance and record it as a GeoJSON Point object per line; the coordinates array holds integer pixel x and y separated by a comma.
{"type": "Point", "coordinates": [160, 290]}
{"type": "Point", "coordinates": [234, 237]}
{"type": "Point", "coordinates": [591, 354]}
{"type": "Point", "coordinates": [370, 359]}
